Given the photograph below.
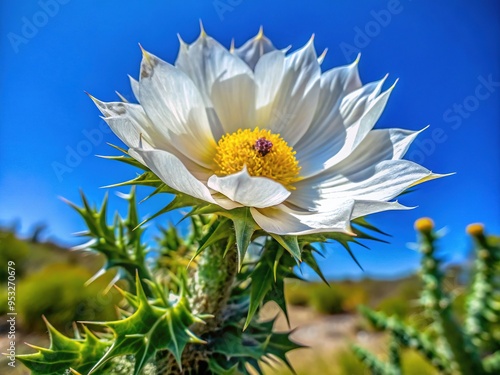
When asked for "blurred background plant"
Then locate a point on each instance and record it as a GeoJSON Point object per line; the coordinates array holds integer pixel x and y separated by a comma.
{"type": "Point", "coordinates": [463, 343]}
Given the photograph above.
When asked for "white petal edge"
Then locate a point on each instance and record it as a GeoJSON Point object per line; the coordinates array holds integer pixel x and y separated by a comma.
{"type": "Point", "coordinates": [233, 100]}
{"type": "Point", "coordinates": [250, 191]}
{"type": "Point", "coordinates": [381, 181]}
{"type": "Point", "coordinates": [254, 49]}
{"type": "Point", "coordinates": [131, 124]}
{"type": "Point", "coordinates": [134, 84]}
{"type": "Point", "coordinates": [379, 145]}
{"type": "Point", "coordinates": [225, 82]}
{"type": "Point", "coordinates": [283, 220]}
{"type": "Point", "coordinates": [290, 110]}
{"type": "Point", "coordinates": [365, 207]}
{"type": "Point", "coordinates": [327, 132]}
{"type": "Point", "coordinates": [357, 115]}
{"type": "Point", "coordinates": [172, 102]}
{"type": "Point", "coordinates": [173, 173]}
{"type": "Point", "coordinates": [128, 122]}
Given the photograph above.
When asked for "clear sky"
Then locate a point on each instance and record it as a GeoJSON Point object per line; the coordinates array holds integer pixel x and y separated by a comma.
{"type": "Point", "coordinates": [446, 55]}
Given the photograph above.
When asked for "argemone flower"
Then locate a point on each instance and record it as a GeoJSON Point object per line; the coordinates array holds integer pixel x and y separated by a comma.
{"type": "Point", "coordinates": [259, 128]}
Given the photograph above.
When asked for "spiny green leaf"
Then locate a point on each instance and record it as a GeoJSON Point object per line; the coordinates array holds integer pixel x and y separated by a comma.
{"type": "Point", "coordinates": [124, 159]}
{"type": "Point", "coordinates": [217, 368]}
{"type": "Point", "coordinates": [268, 280]}
{"type": "Point", "coordinates": [361, 221]}
{"type": "Point", "coordinates": [177, 202]}
{"type": "Point", "coordinates": [278, 344]}
{"type": "Point", "coordinates": [310, 260]}
{"type": "Point", "coordinates": [244, 228]}
{"type": "Point", "coordinates": [354, 258]}
{"type": "Point", "coordinates": [65, 353]}
{"type": "Point", "coordinates": [146, 179]}
{"type": "Point", "coordinates": [291, 244]}
{"type": "Point", "coordinates": [217, 232]}
{"type": "Point", "coordinates": [262, 283]}
{"type": "Point", "coordinates": [233, 348]}
{"type": "Point", "coordinates": [119, 242]}
{"type": "Point", "coordinates": [150, 329]}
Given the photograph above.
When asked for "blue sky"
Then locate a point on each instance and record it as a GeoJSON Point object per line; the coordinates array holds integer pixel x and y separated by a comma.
{"type": "Point", "coordinates": [446, 55]}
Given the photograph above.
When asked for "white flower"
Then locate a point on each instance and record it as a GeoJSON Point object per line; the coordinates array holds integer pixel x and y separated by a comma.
{"type": "Point", "coordinates": [255, 127]}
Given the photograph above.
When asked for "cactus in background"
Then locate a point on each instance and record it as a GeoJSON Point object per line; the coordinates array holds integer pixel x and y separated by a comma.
{"type": "Point", "coordinates": [451, 346]}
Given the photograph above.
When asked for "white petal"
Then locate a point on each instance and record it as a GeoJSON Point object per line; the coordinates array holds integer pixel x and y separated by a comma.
{"type": "Point", "coordinates": [378, 146]}
{"type": "Point", "coordinates": [225, 202]}
{"type": "Point", "coordinates": [173, 173]}
{"type": "Point", "coordinates": [287, 92]}
{"type": "Point", "coordinates": [286, 221]}
{"type": "Point", "coordinates": [224, 80]}
{"type": "Point", "coordinates": [327, 128]}
{"type": "Point", "coordinates": [350, 123]}
{"type": "Point", "coordinates": [250, 191]}
{"type": "Point", "coordinates": [254, 49]}
{"type": "Point", "coordinates": [206, 61]}
{"type": "Point", "coordinates": [172, 102]}
{"type": "Point", "coordinates": [268, 76]}
{"type": "Point", "coordinates": [364, 207]}
{"type": "Point", "coordinates": [234, 102]}
{"type": "Point", "coordinates": [380, 181]}
{"type": "Point", "coordinates": [129, 122]}
{"type": "Point", "coordinates": [135, 86]}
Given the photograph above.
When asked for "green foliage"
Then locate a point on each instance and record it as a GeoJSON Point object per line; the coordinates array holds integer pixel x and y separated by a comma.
{"type": "Point", "coordinates": [79, 354]}
{"type": "Point", "coordinates": [268, 279]}
{"type": "Point", "coordinates": [482, 304]}
{"type": "Point", "coordinates": [12, 249]}
{"type": "Point", "coordinates": [58, 292]}
{"type": "Point", "coordinates": [166, 323]}
{"type": "Point", "coordinates": [154, 326]}
{"type": "Point", "coordinates": [233, 349]}
{"type": "Point", "coordinates": [327, 300]}
{"type": "Point", "coordinates": [348, 364]}
{"type": "Point", "coordinates": [339, 298]}
{"type": "Point", "coordinates": [120, 242]}
{"type": "Point", "coordinates": [448, 346]}
{"type": "Point", "coordinates": [395, 306]}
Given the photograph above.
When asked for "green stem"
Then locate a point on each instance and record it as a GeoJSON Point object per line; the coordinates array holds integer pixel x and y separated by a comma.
{"type": "Point", "coordinates": [212, 283]}
{"type": "Point", "coordinates": [465, 357]}
{"type": "Point", "coordinates": [210, 288]}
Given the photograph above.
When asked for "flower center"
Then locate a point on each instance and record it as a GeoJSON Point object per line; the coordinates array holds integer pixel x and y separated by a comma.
{"type": "Point", "coordinates": [265, 154]}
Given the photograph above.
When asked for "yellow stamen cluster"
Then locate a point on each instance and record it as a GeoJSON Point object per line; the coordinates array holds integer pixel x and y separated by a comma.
{"type": "Point", "coordinates": [424, 224]}
{"type": "Point", "coordinates": [476, 229]}
{"type": "Point", "coordinates": [241, 148]}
